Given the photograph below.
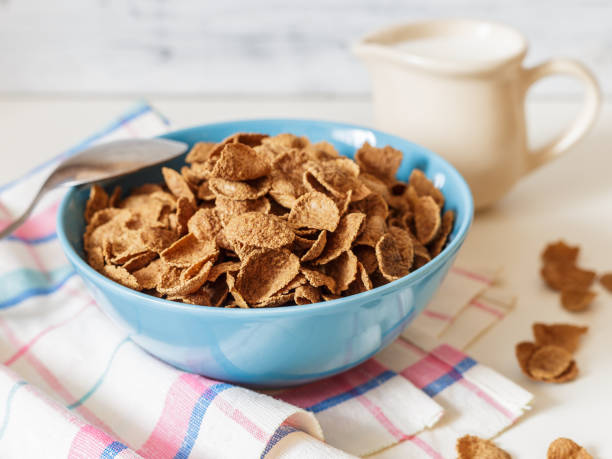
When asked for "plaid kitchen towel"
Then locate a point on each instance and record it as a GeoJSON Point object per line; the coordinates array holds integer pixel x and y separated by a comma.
{"type": "Point", "coordinates": [74, 385]}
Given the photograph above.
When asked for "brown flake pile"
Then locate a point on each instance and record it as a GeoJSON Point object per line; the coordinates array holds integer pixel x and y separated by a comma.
{"type": "Point", "coordinates": [472, 447]}
{"type": "Point", "coordinates": [550, 358]}
{"type": "Point", "coordinates": [259, 221]}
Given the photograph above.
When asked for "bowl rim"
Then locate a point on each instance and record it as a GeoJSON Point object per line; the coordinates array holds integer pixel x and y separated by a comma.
{"type": "Point", "coordinates": [331, 306]}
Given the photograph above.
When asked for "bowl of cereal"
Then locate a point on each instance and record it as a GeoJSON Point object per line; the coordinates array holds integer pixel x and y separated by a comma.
{"type": "Point", "coordinates": [276, 252]}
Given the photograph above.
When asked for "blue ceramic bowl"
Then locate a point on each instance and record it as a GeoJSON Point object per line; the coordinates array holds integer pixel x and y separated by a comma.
{"type": "Point", "coordinates": [283, 346]}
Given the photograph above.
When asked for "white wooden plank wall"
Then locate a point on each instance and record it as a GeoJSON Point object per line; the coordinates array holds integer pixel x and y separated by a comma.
{"type": "Point", "coordinates": [241, 47]}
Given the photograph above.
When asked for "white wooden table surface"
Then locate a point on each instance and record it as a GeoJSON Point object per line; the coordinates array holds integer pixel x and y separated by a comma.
{"type": "Point", "coordinates": [570, 198]}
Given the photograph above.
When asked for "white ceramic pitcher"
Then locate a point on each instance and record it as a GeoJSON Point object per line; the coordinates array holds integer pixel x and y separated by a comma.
{"type": "Point", "coordinates": [458, 87]}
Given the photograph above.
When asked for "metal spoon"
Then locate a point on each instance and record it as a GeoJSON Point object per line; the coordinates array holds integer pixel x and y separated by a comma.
{"type": "Point", "coordinates": [101, 162]}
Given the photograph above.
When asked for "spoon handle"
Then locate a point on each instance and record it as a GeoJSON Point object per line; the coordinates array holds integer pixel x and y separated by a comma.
{"type": "Point", "coordinates": [17, 223]}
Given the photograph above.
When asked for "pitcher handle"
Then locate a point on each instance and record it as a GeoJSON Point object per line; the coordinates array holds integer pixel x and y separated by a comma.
{"type": "Point", "coordinates": [583, 122]}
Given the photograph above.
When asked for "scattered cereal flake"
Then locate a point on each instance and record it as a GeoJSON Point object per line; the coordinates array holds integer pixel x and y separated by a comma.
{"type": "Point", "coordinates": [184, 211]}
{"type": "Point", "coordinates": [547, 362]}
{"type": "Point", "coordinates": [290, 164]}
{"type": "Point", "coordinates": [362, 282]}
{"type": "Point", "coordinates": [329, 296]}
{"type": "Point", "coordinates": [205, 225]}
{"type": "Point", "coordinates": [395, 254]}
{"type": "Point", "coordinates": [188, 251]}
{"type": "Point", "coordinates": [170, 278]}
{"type": "Point", "coordinates": [227, 208]}
{"type": "Point", "coordinates": [421, 255]}
{"type": "Point", "coordinates": [343, 270]}
{"type": "Point", "coordinates": [399, 197]}
{"type": "Point", "coordinates": [198, 172]}
{"type": "Point", "coordinates": [342, 239]}
{"type": "Point", "coordinates": [305, 232]}
{"type": "Point", "coordinates": [200, 152]}
{"type": "Point", "coordinates": [148, 208]}
{"type": "Point", "coordinates": [374, 228]}
{"type": "Point", "coordinates": [427, 219]}
{"type": "Point", "coordinates": [381, 162]}
{"type": "Point", "coordinates": [190, 280]}
{"type": "Point", "coordinates": [242, 250]}
{"type": "Point", "coordinates": [103, 222]}
{"type": "Point", "coordinates": [166, 198]}
{"type": "Point", "coordinates": [284, 193]}
{"type": "Point", "coordinates": [316, 248]}
{"type": "Point", "coordinates": [306, 294]}
{"type": "Point", "coordinates": [139, 261]}
{"type": "Point", "coordinates": [524, 351]}
{"type": "Point", "coordinates": [210, 294]}
{"type": "Point", "coordinates": [378, 279]}
{"type": "Point", "coordinates": [577, 299]}
{"type": "Point", "coordinates": [274, 301]}
{"type": "Point", "coordinates": [374, 184]}
{"type": "Point", "coordinates": [240, 162]}
{"type": "Point", "coordinates": [424, 187]}
{"type": "Point", "coordinates": [559, 276]}
{"type": "Point", "coordinates": [321, 151]}
{"type": "Point", "coordinates": [239, 191]}
{"type": "Point", "coordinates": [406, 218]}
{"type": "Point", "coordinates": [192, 178]}
{"type": "Point", "coordinates": [122, 276]}
{"type": "Point", "coordinates": [314, 210]}
{"type": "Point", "coordinates": [282, 142]}
{"type": "Point", "coordinates": [115, 197]}
{"type": "Point", "coordinates": [298, 280]}
{"type": "Point", "coordinates": [238, 298]}
{"type": "Point", "coordinates": [259, 230]}
{"type": "Point", "coordinates": [121, 247]}
{"type": "Point", "coordinates": [568, 375]}
{"type": "Point", "coordinates": [252, 139]}
{"type": "Point", "coordinates": [343, 202]}
{"type": "Point", "coordinates": [95, 258]}
{"type": "Point", "coordinates": [157, 239]}
{"type": "Point", "coordinates": [149, 276]}
{"type": "Point", "coordinates": [147, 188]}
{"type": "Point", "coordinates": [564, 448]}
{"type": "Point", "coordinates": [439, 242]}
{"type": "Point", "coordinates": [318, 279]}
{"type": "Point", "coordinates": [223, 268]}
{"type": "Point", "coordinates": [606, 281]}
{"type": "Point", "coordinates": [265, 272]}
{"type": "Point", "coordinates": [373, 205]}
{"type": "Point", "coordinates": [178, 185]}
{"type": "Point", "coordinates": [301, 243]}
{"type": "Point", "coordinates": [472, 447]}
{"type": "Point", "coordinates": [367, 257]}
{"type": "Point", "coordinates": [560, 252]}
{"type": "Point", "coordinates": [98, 200]}
{"type": "Point", "coordinates": [412, 197]}
{"type": "Point", "coordinates": [566, 336]}
{"type": "Point", "coordinates": [330, 177]}
{"type": "Point", "coordinates": [204, 193]}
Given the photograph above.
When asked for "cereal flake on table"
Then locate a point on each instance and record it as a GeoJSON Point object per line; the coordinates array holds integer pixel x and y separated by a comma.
{"type": "Point", "coordinates": [550, 358]}
{"type": "Point", "coordinates": [560, 271]}
{"type": "Point", "coordinates": [258, 221]}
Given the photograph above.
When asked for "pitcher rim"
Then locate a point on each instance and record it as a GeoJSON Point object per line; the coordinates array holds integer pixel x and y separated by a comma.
{"type": "Point", "coordinates": [370, 45]}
